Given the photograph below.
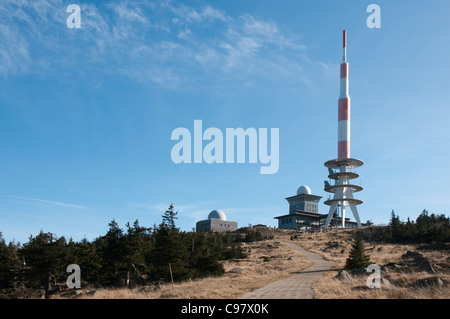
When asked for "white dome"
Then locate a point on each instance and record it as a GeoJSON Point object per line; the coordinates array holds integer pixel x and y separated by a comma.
{"type": "Point", "coordinates": [217, 214]}
{"type": "Point", "coordinates": [304, 190]}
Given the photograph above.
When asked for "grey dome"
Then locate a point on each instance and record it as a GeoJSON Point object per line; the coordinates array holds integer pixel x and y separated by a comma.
{"type": "Point", "coordinates": [304, 190]}
{"type": "Point", "coordinates": [217, 214]}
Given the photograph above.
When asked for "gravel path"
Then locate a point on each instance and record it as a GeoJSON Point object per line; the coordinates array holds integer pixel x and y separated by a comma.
{"type": "Point", "coordinates": [298, 286]}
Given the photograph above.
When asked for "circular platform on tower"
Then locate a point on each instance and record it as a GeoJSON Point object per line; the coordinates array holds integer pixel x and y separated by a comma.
{"type": "Point", "coordinates": [350, 200]}
{"type": "Point", "coordinates": [349, 175]}
{"type": "Point", "coordinates": [348, 162]}
{"type": "Point", "coordinates": [332, 188]}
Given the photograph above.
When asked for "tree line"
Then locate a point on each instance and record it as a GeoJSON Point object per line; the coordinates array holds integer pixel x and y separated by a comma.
{"type": "Point", "coordinates": [136, 255]}
{"type": "Point", "coordinates": [427, 228]}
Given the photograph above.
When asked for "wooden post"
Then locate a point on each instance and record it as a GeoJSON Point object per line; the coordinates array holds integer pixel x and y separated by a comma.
{"type": "Point", "coordinates": [171, 277]}
{"type": "Point", "coordinates": [48, 284]}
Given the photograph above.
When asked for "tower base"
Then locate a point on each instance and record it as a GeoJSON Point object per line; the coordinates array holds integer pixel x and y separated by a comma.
{"type": "Point", "coordinates": [342, 189]}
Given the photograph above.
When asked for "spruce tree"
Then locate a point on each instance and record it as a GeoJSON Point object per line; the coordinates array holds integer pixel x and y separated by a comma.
{"type": "Point", "coordinates": [357, 257]}
{"type": "Point", "coordinates": [10, 264]}
{"type": "Point", "coordinates": [169, 218]}
{"type": "Point", "coordinates": [138, 244]}
{"type": "Point", "coordinates": [169, 247]}
{"type": "Point", "coordinates": [112, 248]}
{"type": "Point", "coordinates": [46, 257]}
{"type": "Point", "coordinates": [85, 254]}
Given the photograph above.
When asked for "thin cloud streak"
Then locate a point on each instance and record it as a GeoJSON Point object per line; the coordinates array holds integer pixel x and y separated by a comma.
{"type": "Point", "coordinates": [48, 202]}
{"type": "Point", "coordinates": [161, 207]}
{"type": "Point", "coordinates": [193, 211]}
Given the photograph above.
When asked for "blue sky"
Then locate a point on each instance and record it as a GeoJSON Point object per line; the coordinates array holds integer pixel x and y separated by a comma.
{"type": "Point", "coordinates": [86, 114]}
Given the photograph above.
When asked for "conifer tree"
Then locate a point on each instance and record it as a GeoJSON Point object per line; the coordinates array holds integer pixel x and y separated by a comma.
{"type": "Point", "coordinates": [85, 254]}
{"type": "Point", "coordinates": [169, 218]}
{"type": "Point", "coordinates": [138, 245]}
{"type": "Point", "coordinates": [46, 259]}
{"type": "Point", "coordinates": [169, 247]}
{"type": "Point", "coordinates": [9, 264]}
{"type": "Point", "coordinates": [112, 247]}
{"type": "Point", "coordinates": [357, 257]}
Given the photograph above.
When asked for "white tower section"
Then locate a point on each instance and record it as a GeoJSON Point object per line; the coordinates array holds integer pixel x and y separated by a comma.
{"type": "Point", "coordinates": [341, 168]}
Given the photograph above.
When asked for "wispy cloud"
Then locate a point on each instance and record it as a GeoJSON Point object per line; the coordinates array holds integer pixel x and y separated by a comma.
{"type": "Point", "coordinates": [14, 51]}
{"type": "Point", "coordinates": [187, 14]}
{"type": "Point", "coordinates": [167, 43]}
{"type": "Point", "coordinates": [193, 211]}
{"type": "Point", "coordinates": [161, 207]}
{"type": "Point", "coordinates": [47, 202]}
{"type": "Point", "coordinates": [93, 195]}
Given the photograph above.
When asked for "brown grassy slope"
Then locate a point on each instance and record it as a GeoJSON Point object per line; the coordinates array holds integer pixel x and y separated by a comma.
{"type": "Point", "coordinates": [335, 245]}
{"type": "Point", "coordinates": [267, 261]}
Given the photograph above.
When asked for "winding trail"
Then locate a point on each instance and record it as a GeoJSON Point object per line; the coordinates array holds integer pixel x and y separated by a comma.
{"type": "Point", "coordinates": [298, 286]}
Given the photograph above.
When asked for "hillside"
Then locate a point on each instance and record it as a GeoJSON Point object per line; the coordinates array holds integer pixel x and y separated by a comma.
{"type": "Point", "coordinates": [269, 260]}
{"type": "Point", "coordinates": [402, 275]}
{"type": "Point", "coordinates": [266, 261]}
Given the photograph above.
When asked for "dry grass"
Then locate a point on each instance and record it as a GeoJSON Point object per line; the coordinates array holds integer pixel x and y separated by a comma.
{"type": "Point", "coordinates": [336, 245]}
{"type": "Point", "coordinates": [257, 272]}
{"type": "Point", "coordinates": [333, 245]}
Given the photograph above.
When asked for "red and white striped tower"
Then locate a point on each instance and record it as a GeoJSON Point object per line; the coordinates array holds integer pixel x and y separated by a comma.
{"type": "Point", "coordinates": [344, 107]}
{"type": "Point", "coordinates": [341, 168]}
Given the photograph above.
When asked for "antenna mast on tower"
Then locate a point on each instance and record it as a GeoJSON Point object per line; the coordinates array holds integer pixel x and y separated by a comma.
{"type": "Point", "coordinates": [342, 166]}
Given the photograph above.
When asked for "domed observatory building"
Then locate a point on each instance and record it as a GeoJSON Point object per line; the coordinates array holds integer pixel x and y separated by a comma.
{"type": "Point", "coordinates": [303, 211]}
{"type": "Point", "coordinates": [216, 222]}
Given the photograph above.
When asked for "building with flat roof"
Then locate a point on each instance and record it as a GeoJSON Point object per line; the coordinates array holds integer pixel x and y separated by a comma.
{"type": "Point", "coordinates": [216, 222]}
{"type": "Point", "coordinates": [304, 212]}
